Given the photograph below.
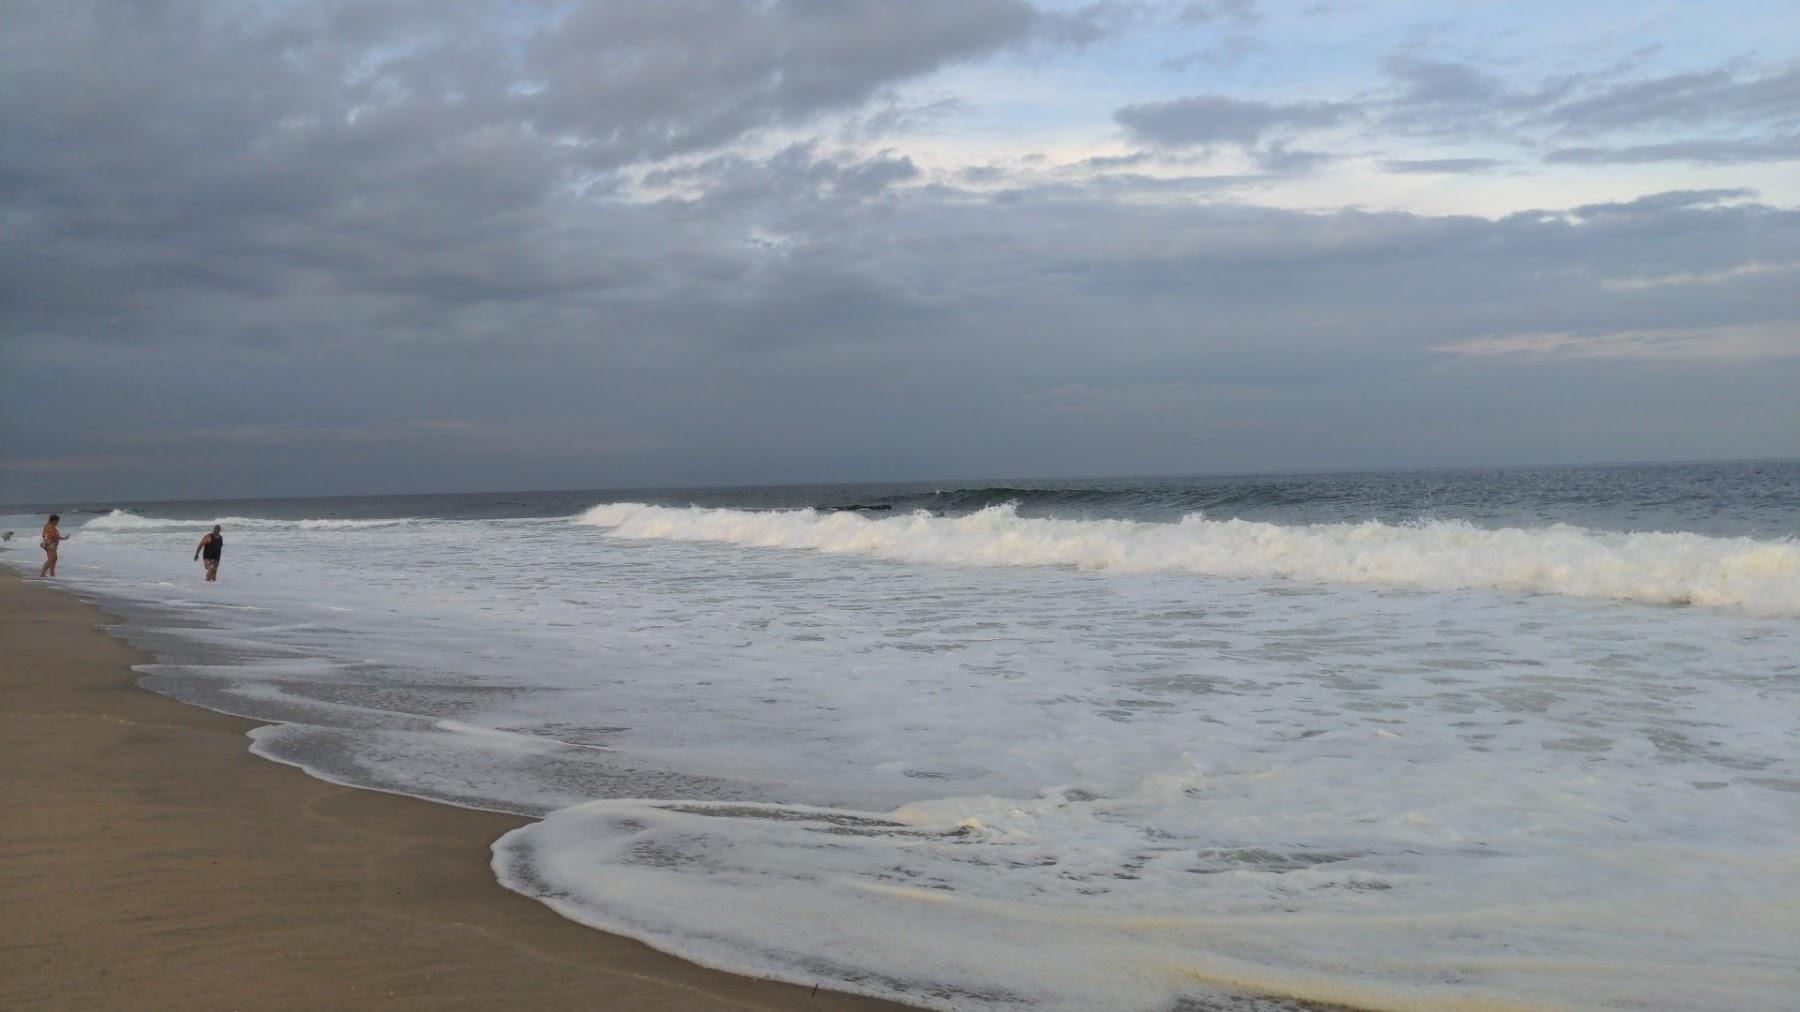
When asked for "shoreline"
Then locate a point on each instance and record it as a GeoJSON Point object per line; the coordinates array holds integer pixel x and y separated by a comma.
{"type": "Point", "coordinates": [151, 860]}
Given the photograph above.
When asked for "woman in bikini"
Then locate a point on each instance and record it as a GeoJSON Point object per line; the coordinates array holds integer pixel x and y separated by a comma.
{"type": "Point", "coordinates": [52, 537]}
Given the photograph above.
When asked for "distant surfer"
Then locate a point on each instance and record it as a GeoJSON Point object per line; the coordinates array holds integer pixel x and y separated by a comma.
{"type": "Point", "coordinates": [52, 538]}
{"type": "Point", "coordinates": [212, 546]}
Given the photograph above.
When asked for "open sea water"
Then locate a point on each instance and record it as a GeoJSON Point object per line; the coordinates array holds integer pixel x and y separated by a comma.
{"type": "Point", "coordinates": [1517, 738]}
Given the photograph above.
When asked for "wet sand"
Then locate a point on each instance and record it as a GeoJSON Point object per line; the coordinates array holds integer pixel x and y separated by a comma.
{"type": "Point", "coordinates": [147, 860]}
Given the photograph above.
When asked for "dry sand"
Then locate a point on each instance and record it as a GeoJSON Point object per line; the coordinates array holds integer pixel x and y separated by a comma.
{"type": "Point", "coordinates": [147, 860]}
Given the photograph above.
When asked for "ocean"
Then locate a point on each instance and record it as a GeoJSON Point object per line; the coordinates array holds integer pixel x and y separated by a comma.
{"type": "Point", "coordinates": [1508, 738]}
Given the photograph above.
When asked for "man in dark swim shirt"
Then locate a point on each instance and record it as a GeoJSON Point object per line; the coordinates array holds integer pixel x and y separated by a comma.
{"type": "Point", "coordinates": [213, 545]}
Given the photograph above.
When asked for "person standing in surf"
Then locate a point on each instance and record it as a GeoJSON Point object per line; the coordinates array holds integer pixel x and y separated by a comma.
{"type": "Point", "coordinates": [212, 546]}
{"type": "Point", "coordinates": [52, 538]}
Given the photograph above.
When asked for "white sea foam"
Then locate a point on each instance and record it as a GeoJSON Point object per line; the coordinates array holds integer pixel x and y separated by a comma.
{"type": "Point", "coordinates": [125, 520]}
{"type": "Point", "coordinates": [1063, 904]}
{"type": "Point", "coordinates": [1762, 577]}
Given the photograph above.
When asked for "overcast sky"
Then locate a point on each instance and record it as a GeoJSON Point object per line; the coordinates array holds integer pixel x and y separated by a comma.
{"type": "Point", "coordinates": [309, 247]}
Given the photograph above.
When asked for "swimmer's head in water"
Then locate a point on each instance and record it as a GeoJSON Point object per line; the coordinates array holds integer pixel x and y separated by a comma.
{"type": "Point", "coordinates": [54, 517]}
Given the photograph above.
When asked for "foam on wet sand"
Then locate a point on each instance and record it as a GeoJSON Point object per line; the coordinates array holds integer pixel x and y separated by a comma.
{"type": "Point", "coordinates": [152, 862]}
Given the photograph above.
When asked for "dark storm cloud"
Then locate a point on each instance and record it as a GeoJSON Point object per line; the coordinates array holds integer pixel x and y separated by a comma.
{"type": "Point", "coordinates": [1215, 119]}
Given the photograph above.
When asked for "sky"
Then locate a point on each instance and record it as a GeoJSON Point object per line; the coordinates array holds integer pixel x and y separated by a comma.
{"type": "Point", "coordinates": [310, 247]}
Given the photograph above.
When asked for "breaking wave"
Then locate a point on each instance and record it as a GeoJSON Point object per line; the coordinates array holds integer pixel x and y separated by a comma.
{"type": "Point", "coordinates": [1034, 500]}
{"type": "Point", "coordinates": [125, 520]}
{"type": "Point", "coordinates": [1762, 577]}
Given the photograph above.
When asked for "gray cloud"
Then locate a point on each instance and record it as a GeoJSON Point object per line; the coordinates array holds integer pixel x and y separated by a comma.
{"type": "Point", "coordinates": [334, 262]}
{"type": "Point", "coordinates": [1450, 166]}
{"type": "Point", "coordinates": [1098, 19]}
{"type": "Point", "coordinates": [891, 118]}
{"type": "Point", "coordinates": [339, 144]}
{"type": "Point", "coordinates": [643, 80]}
{"type": "Point", "coordinates": [1279, 157]}
{"type": "Point", "coordinates": [1700, 152]}
{"type": "Point", "coordinates": [1746, 116]}
{"type": "Point", "coordinates": [1117, 161]}
{"type": "Point", "coordinates": [1672, 200]}
{"type": "Point", "coordinates": [1714, 98]}
{"type": "Point", "coordinates": [796, 173]}
{"type": "Point", "coordinates": [1215, 119]}
{"type": "Point", "coordinates": [1093, 21]}
{"type": "Point", "coordinates": [1207, 11]}
{"type": "Point", "coordinates": [1436, 82]}
{"type": "Point", "coordinates": [855, 337]}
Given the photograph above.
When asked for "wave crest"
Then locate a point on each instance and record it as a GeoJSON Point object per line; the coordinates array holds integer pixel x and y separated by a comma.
{"type": "Point", "coordinates": [125, 520]}
{"type": "Point", "coordinates": [1762, 577]}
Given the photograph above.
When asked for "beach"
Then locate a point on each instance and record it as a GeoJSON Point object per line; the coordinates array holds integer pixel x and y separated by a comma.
{"type": "Point", "coordinates": [1394, 740]}
{"type": "Point", "coordinates": [152, 862]}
